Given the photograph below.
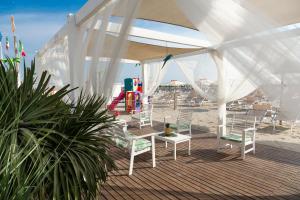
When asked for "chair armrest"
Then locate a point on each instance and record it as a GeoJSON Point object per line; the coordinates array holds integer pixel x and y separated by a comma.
{"type": "Point", "coordinates": [135, 137]}
{"type": "Point", "coordinates": [250, 129]}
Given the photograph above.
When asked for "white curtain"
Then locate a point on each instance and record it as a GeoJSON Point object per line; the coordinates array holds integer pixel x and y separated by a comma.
{"type": "Point", "coordinates": [79, 59]}
{"type": "Point", "coordinates": [250, 42]}
{"type": "Point", "coordinates": [55, 60]}
{"type": "Point", "coordinates": [201, 72]}
{"type": "Point", "coordinates": [153, 73]}
{"type": "Point", "coordinates": [127, 9]}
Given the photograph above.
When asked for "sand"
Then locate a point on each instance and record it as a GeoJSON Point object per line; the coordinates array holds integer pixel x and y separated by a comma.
{"type": "Point", "coordinates": [205, 119]}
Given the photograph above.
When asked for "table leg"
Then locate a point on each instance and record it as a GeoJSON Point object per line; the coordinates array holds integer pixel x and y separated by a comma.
{"type": "Point", "coordinates": [175, 151]}
{"type": "Point", "coordinates": [189, 151]}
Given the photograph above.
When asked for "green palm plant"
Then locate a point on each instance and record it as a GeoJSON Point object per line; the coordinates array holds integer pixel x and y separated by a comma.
{"type": "Point", "coordinates": [50, 147]}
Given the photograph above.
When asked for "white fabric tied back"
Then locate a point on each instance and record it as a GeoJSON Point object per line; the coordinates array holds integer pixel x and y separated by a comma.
{"type": "Point", "coordinates": [252, 44]}
{"type": "Point", "coordinates": [153, 75]}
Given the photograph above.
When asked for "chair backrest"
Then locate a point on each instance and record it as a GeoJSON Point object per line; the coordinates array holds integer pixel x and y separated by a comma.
{"type": "Point", "coordinates": [121, 136]}
{"type": "Point", "coordinates": [258, 114]}
{"type": "Point", "coordinates": [147, 111]}
{"type": "Point", "coordinates": [184, 120]}
{"type": "Point", "coordinates": [238, 122]}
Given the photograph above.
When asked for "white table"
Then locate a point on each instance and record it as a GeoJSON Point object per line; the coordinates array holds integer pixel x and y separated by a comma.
{"type": "Point", "coordinates": [175, 139]}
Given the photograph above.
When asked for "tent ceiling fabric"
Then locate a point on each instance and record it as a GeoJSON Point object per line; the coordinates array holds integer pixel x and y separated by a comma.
{"type": "Point", "coordinates": [140, 51]}
{"type": "Point", "coordinates": [284, 12]}
{"type": "Point", "coordinates": [165, 11]}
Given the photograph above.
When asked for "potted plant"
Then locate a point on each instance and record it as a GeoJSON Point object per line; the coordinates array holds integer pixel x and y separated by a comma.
{"type": "Point", "coordinates": [50, 148]}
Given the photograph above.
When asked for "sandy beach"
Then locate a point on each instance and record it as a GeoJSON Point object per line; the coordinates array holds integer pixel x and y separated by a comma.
{"type": "Point", "coordinates": [205, 120]}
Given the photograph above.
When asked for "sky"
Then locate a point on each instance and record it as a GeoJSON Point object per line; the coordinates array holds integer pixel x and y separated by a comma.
{"type": "Point", "coordinates": [38, 20]}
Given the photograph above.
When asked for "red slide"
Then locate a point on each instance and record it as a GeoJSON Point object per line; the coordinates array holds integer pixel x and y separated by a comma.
{"type": "Point", "coordinates": [115, 102]}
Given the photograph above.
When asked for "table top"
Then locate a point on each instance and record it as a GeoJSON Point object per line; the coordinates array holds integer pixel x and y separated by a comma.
{"type": "Point", "coordinates": [176, 137]}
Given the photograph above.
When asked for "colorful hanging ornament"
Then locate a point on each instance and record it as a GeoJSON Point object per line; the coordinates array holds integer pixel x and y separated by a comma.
{"type": "Point", "coordinates": [21, 49]}
{"type": "Point", "coordinates": [168, 57]}
{"type": "Point", "coordinates": [6, 43]}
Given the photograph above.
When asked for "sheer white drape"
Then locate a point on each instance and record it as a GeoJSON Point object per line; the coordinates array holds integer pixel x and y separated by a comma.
{"type": "Point", "coordinates": [127, 9]}
{"type": "Point", "coordinates": [201, 72]}
{"type": "Point", "coordinates": [153, 73]}
{"type": "Point", "coordinates": [250, 43]}
{"type": "Point", "coordinates": [56, 61]}
{"type": "Point", "coordinates": [89, 40]}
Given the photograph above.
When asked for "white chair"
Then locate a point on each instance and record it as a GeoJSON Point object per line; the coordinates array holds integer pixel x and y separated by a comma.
{"type": "Point", "coordinates": [144, 118]}
{"type": "Point", "coordinates": [183, 122]}
{"type": "Point", "coordinates": [135, 144]}
{"type": "Point", "coordinates": [240, 131]}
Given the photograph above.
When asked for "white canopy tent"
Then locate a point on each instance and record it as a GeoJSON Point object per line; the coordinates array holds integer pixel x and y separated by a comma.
{"type": "Point", "coordinates": [248, 47]}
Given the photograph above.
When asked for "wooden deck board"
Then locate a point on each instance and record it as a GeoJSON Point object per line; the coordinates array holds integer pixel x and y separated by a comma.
{"type": "Point", "coordinates": [270, 174]}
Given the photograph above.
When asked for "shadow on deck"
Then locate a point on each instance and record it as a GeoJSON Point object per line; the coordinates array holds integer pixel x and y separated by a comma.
{"type": "Point", "coordinates": [270, 174]}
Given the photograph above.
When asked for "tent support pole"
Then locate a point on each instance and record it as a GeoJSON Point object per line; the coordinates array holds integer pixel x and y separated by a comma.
{"type": "Point", "coordinates": [144, 75]}
{"type": "Point", "coordinates": [218, 58]}
{"type": "Point", "coordinates": [73, 41]}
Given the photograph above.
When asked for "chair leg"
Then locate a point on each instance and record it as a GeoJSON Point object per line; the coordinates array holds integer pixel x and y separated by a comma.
{"type": "Point", "coordinates": [175, 151]}
{"type": "Point", "coordinates": [132, 157]}
{"type": "Point", "coordinates": [243, 151]}
{"type": "Point", "coordinates": [166, 144]}
{"type": "Point", "coordinates": [254, 148]}
{"type": "Point", "coordinates": [131, 164]}
{"type": "Point", "coordinates": [153, 151]}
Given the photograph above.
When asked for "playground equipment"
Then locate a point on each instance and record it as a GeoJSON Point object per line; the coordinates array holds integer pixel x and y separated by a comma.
{"type": "Point", "coordinates": [133, 99]}
{"type": "Point", "coordinates": [115, 102]}
{"type": "Point", "coordinates": [132, 92]}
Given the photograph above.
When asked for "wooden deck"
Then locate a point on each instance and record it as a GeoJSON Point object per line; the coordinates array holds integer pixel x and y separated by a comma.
{"type": "Point", "coordinates": [271, 174]}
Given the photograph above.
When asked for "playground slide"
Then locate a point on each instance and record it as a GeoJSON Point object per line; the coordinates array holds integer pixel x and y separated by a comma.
{"type": "Point", "coordinates": [115, 102]}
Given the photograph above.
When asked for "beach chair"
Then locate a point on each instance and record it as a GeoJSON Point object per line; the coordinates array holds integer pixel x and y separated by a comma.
{"type": "Point", "coordinates": [143, 118]}
{"type": "Point", "coordinates": [135, 145]}
{"type": "Point", "coordinates": [259, 115]}
{"type": "Point", "coordinates": [240, 131]}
